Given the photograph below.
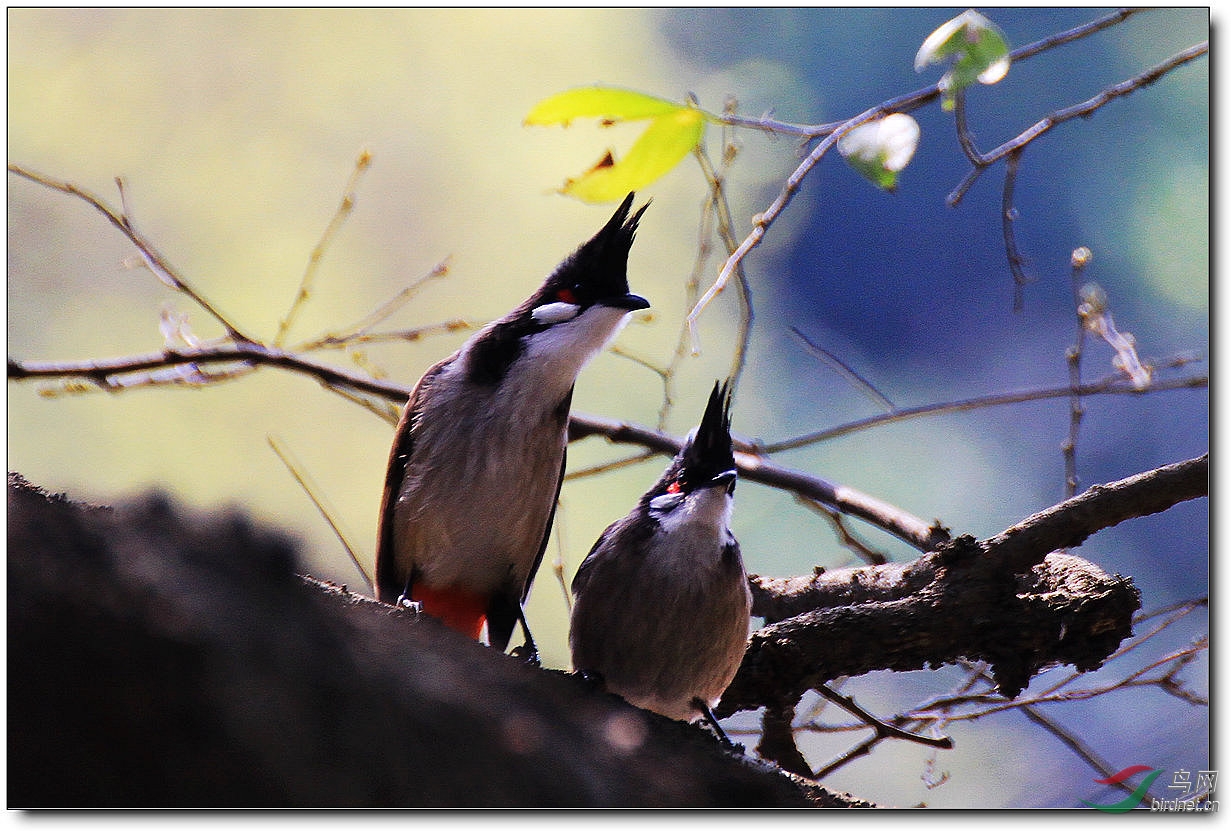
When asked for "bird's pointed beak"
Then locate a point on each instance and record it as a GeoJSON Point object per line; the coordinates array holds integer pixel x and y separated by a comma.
{"type": "Point", "coordinates": [631, 302]}
{"type": "Point", "coordinates": [726, 479]}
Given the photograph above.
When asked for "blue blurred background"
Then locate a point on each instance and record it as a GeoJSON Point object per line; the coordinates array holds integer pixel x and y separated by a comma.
{"type": "Point", "coordinates": [235, 131]}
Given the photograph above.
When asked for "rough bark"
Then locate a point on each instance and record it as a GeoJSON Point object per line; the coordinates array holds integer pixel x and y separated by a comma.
{"type": "Point", "coordinates": [1012, 600]}
{"type": "Point", "coordinates": [161, 659]}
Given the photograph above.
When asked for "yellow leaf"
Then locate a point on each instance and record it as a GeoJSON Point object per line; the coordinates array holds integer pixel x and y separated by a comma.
{"type": "Point", "coordinates": [608, 103]}
{"type": "Point", "coordinates": [669, 138]}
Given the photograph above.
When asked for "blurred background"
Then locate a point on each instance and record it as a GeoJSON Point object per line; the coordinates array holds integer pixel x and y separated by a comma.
{"type": "Point", "coordinates": [236, 131]}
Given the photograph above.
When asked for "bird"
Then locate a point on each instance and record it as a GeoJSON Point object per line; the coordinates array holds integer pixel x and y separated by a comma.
{"type": "Point", "coordinates": [478, 456]}
{"type": "Point", "coordinates": [661, 604]}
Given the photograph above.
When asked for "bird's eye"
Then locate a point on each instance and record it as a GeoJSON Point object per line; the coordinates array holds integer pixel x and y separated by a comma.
{"type": "Point", "coordinates": [674, 487]}
{"type": "Point", "coordinates": [566, 296]}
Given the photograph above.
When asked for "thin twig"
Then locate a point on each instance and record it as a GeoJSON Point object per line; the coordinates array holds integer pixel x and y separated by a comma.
{"type": "Point", "coordinates": [832, 132]}
{"type": "Point", "coordinates": [1112, 385]}
{"type": "Point", "coordinates": [318, 252]}
{"type": "Point", "coordinates": [1008, 216]}
{"type": "Point", "coordinates": [838, 365]}
{"type": "Point", "coordinates": [314, 493]}
{"type": "Point", "coordinates": [360, 330]}
{"type": "Point", "coordinates": [845, 538]}
{"type": "Point", "coordinates": [344, 341]}
{"type": "Point", "coordinates": [1076, 33]}
{"type": "Point", "coordinates": [726, 232]}
{"type": "Point", "coordinates": [557, 564]}
{"type": "Point", "coordinates": [1078, 261]}
{"type": "Point", "coordinates": [604, 467]}
{"type": "Point", "coordinates": [101, 371]}
{"type": "Point", "coordinates": [981, 161]}
{"type": "Point", "coordinates": [883, 730]}
{"type": "Point", "coordinates": [153, 260]}
{"type": "Point", "coordinates": [762, 221]}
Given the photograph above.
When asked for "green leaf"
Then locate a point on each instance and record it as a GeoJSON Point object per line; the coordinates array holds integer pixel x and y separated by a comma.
{"type": "Point", "coordinates": [608, 103]}
{"type": "Point", "coordinates": [669, 138]}
{"type": "Point", "coordinates": [976, 48]}
{"type": "Point", "coordinates": [881, 149]}
{"type": "Point", "coordinates": [674, 130]}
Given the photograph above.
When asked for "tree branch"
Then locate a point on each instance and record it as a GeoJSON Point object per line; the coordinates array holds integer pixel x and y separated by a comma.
{"type": "Point", "coordinates": [1111, 385]}
{"type": "Point", "coordinates": [828, 135]}
{"type": "Point", "coordinates": [753, 466]}
{"type": "Point", "coordinates": [149, 254]}
{"type": "Point", "coordinates": [1005, 600]}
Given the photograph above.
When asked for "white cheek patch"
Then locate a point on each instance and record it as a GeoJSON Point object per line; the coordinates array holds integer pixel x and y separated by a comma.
{"type": "Point", "coordinates": [664, 503]}
{"type": "Point", "coordinates": [555, 313]}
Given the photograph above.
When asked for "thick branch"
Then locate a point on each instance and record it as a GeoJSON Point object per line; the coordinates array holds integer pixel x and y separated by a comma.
{"type": "Point", "coordinates": [1102, 506]}
{"type": "Point", "coordinates": [163, 660]}
{"type": "Point", "coordinates": [1006, 600]}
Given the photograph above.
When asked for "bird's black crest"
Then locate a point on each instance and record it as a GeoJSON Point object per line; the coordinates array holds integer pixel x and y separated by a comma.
{"type": "Point", "coordinates": [598, 269]}
{"type": "Point", "coordinates": [707, 453]}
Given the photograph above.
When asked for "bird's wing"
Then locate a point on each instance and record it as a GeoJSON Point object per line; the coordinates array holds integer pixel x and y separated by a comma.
{"type": "Point", "coordinates": [390, 581]}
{"type": "Point", "coordinates": [565, 406]}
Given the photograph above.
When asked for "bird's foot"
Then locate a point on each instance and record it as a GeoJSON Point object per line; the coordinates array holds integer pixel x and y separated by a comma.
{"type": "Point", "coordinates": [404, 602]}
{"type": "Point", "coordinates": [528, 653]}
{"type": "Point", "coordinates": [713, 724]}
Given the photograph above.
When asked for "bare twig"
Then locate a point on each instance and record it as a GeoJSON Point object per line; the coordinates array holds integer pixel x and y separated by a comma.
{"type": "Point", "coordinates": [762, 221]}
{"type": "Point", "coordinates": [1112, 385]}
{"type": "Point", "coordinates": [102, 372]}
{"type": "Point", "coordinates": [883, 730]}
{"type": "Point", "coordinates": [354, 337]}
{"type": "Point", "coordinates": [1079, 260]}
{"type": "Point", "coordinates": [361, 330]}
{"type": "Point", "coordinates": [1076, 33]}
{"type": "Point", "coordinates": [1074, 743]}
{"type": "Point", "coordinates": [830, 133]}
{"type": "Point", "coordinates": [838, 365]}
{"type": "Point", "coordinates": [848, 540]}
{"type": "Point", "coordinates": [558, 562]}
{"type": "Point", "coordinates": [318, 499]}
{"type": "Point", "coordinates": [1008, 216]}
{"type": "Point", "coordinates": [726, 232]}
{"type": "Point", "coordinates": [981, 161]}
{"type": "Point", "coordinates": [154, 260]}
{"type": "Point", "coordinates": [318, 252]}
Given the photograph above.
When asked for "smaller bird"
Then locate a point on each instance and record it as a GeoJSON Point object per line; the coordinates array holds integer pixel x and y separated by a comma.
{"type": "Point", "coordinates": [661, 603]}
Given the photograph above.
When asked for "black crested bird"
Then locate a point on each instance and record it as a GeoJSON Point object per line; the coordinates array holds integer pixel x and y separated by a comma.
{"type": "Point", "coordinates": [661, 603]}
{"type": "Point", "coordinates": [479, 454]}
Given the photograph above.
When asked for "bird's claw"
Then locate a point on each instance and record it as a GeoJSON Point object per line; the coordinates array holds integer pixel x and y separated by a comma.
{"type": "Point", "coordinates": [528, 654]}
